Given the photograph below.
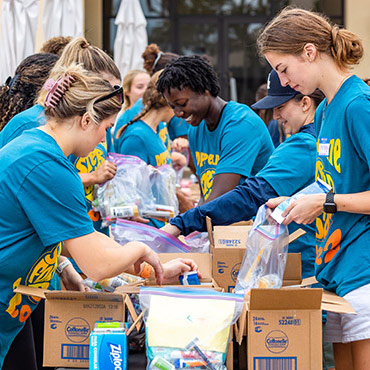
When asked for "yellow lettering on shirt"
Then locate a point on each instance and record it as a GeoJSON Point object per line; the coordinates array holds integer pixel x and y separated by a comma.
{"type": "Point", "coordinates": [162, 158]}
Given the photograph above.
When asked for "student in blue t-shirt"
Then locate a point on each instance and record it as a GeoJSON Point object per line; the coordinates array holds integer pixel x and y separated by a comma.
{"type": "Point", "coordinates": [43, 203]}
{"type": "Point", "coordinates": [228, 141]}
{"type": "Point", "coordinates": [308, 52]}
{"type": "Point", "coordinates": [93, 169]}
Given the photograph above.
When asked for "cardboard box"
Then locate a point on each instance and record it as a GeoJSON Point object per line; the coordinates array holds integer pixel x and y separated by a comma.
{"type": "Point", "coordinates": [69, 319]}
{"type": "Point", "coordinates": [285, 329]}
{"type": "Point", "coordinates": [228, 245]}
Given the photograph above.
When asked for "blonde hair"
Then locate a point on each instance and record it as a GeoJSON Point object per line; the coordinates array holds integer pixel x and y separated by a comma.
{"type": "Point", "coordinates": [152, 99]}
{"type": "Point", "coordinates": [91, 57]}
{"type": "Point", "coordinates": [127, 83]}
{"type": "Point", "coordinates": [80, 96]}
{"type": "Point", "coordinates": [293, 28]}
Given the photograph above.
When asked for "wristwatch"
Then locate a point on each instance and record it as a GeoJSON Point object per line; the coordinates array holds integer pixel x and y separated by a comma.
{"type": "Point", "coordinates": [329, 205]}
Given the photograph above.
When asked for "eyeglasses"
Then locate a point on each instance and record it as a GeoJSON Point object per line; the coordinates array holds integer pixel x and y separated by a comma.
{"type": "Point", "coordinates": [118, 91]}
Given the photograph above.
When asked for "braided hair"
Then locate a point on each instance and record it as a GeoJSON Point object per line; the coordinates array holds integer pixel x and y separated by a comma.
{"type": "Point", "coordinates": [152, 99]}
{"type": "Point", "coordinates": [193, 72]}
{"type": "Point", "coordinates": [19, 93]}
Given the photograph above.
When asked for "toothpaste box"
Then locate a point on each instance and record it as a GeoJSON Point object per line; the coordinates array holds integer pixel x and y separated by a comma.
{"type": "Point", "coordinates": [108, 347]}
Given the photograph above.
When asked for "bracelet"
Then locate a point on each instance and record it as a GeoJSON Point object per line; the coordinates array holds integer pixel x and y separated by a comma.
{"type": "Point", "coordinates": [147, 270]}
{"type": "Point", "coordinates": [62, 266]}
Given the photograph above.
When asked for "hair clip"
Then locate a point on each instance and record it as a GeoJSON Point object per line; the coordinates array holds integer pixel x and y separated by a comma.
{"type": "Point", "coordinates": [56, 89]}
{"type": "Point", "coordinates": [157, 59]}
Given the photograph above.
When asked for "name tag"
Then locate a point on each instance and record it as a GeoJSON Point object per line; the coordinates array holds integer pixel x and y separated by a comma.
{"type": "Point", "coordinates": [324, 146]}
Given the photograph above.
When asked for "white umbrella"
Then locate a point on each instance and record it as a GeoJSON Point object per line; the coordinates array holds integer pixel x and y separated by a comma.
{"type": "Point", "coordinates": [18, 34]}
{"type": "Point", "coordinates": [131, 39]}
{"type": "Point", "coordinates": [62, 18]}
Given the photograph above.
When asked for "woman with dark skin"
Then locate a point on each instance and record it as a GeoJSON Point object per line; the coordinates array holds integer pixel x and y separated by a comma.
{"type": "Point", "coordinates": [228, 141]}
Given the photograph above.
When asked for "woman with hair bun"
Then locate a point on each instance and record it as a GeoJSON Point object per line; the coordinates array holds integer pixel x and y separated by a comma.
{"type": "Point", "coordinates": [43, 203]}
{"type": "Point", "coordinates": [308, 52]}
{"type": "Point", "coordinates": [155, 60]}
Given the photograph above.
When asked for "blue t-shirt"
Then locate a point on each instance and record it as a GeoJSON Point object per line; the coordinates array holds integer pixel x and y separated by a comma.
{"type": "Point", "coordinates": [38, 214]}
{"type": "Point", "coordinates": [30, 118]}
{"type": "Point", "coordinates": [34, 117]}
{"type": "Point", "coordinates": [240, 144]}
{"type": "Point", "coordinates": [140, 140]}
{"type": "Point", "coordinates": [176, 126]}
{"type": "Point", "coordinates": [343, 158]}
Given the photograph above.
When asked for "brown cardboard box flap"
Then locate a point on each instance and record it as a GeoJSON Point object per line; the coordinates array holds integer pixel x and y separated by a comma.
{"type": "Point", "coordinates": [333, 303]}
{"type": "Point", "coordinates": [203, 260]}
{"type": "Point", "coordinates": [31, 291]}
{"type": "Point", "coordinates": [293, 267]}
{"type": "Point", "coordinates": [69, 295]}
{"type": "Point", "coordinates": [285, 299]}
{"type": "Point", "coordinates": [295, 235]}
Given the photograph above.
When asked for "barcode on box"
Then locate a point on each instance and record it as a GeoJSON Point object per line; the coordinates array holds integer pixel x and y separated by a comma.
{"type": "Point", "coordinates": [75, 351]}
{"type": "Point", "coordinates": [275, 363]}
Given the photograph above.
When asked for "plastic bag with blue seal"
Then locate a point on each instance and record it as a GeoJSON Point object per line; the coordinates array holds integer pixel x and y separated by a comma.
{"type": "Point", "coordinates": [188, 327]}
{"type": "Point", "coordinates": [266, 252]}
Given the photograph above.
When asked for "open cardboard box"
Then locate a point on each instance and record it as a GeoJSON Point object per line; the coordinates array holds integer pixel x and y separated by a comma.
{"type": "Point", "coordinates": [283, 327]}
{"type": "Point", "coordinates": [69, 318]}
{"type": "Point", "coordinates": [228, 245]}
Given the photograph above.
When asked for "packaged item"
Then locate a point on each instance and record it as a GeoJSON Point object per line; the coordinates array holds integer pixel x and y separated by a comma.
{"type": "Point", "coordinates": [110, 285]}
{"type": "Point", "coordinates": [317, 187]}
{"type": "Point", "coordinates": [189, 278]}
{"type": "Point", "coordinates": [124, 231]}
{"type": "Point", "coordinates": [124, 211]}
{"type": "Point", "coordinates": [265, 257]}
{"type": "Point", "coordinates": [161, 364]}
{"type": "Point", "coordinates": [108, 346]}
{"type": "Point", "coordinates": [189, 327]}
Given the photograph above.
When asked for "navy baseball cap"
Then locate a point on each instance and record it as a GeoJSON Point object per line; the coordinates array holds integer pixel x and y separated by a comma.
{"type": "Point", "coordinates": [276, 94]}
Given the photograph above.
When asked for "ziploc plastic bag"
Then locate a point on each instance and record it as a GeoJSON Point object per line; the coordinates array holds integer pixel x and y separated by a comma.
{"type": "Point", "coordinates": [130, 186]}
{"type": "Point", "coordinates": [265, 257]}
{"type": "Point", "coordinates": [199, 242]}
{"type": "Point", "coordinates": [316, 187]}
{"type": "Point", "coordinates": [125, 231]}
{"type": "Point", "coordinates": [163, 181]}
{"type": "Point", "coordinates": [175, 318]}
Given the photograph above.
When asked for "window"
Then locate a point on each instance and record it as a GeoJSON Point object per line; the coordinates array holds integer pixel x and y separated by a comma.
{"type": "Point", "coordinates": [224, 30]}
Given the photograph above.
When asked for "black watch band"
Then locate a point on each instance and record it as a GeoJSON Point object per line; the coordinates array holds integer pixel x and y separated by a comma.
{"type": "Point", "coordinates": [329, 205]}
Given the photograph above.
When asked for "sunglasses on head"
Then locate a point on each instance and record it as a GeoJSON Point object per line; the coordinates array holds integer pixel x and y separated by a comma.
{"type": "Point", "coordinates": [118, 91]}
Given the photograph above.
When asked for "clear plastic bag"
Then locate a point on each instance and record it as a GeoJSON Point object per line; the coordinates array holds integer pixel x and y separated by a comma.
{"type": "Point", "coordinates": [199, 242]}
{"type": "Point", "coordinates": [186, 327]}
{"type": "Point", "coordinates": [265, 257]}
{"type": "Point", "coordinates": [129, 187]}
{"type": "Point", "coordinates": [125, 231]}
{"type": "Point", "coordinates": [163, 181]}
